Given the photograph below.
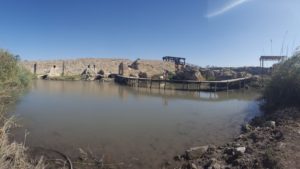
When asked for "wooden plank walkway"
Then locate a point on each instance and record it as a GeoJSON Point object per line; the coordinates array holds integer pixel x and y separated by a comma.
{"type": "Point", "coordinates": [183, 84]}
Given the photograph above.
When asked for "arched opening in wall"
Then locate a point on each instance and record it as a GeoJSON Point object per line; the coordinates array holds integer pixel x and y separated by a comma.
{"type": "Point", "coordinates": [112, 75]}
{"type": "Point", "coordinates": [54, 66]}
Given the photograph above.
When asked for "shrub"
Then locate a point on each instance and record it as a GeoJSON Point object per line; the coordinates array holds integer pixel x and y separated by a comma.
{"type": "Point", "coordinates": [8, 66]}
{"type": "Point", "coordinates": [11, 72]}
{"type": "Point", "coordinates": [101, 72]}
{"type": "Point", "coordinates": [283, 90]}
{"type": "Point", "coordinates": [143, 75]}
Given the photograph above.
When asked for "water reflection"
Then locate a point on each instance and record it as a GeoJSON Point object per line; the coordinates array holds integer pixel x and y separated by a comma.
{"type": "Point", "coordinates": [127, 123]}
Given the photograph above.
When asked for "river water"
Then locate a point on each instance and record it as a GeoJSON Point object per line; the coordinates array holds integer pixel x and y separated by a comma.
{"type": "Point", "coordinates": [140, 127]}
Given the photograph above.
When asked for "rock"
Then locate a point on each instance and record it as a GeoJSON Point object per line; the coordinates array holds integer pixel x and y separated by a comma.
{"type": "Point", "coordinates": [246, 128]}
{"type": "Point", "coordinates": [213, 164]}
{"type": "Point", "coordinates": [178, 158]}
{"type": "Point", "coordinates": [256, 137]}
{"type": "Point", "coordinates": [211, 148]}
{"type": "Point", "coordinates": [229, 151]}
{"type": "Point", "coordinates": [216, 166]}
{"type": "Point", "coordinates": [142, 75]}
{"type": "Point", "coordinates": [240, 150]}
{"type": "Point", "coordinates": [278, 135]}
{"type": "Point", "coordinates": [188, 73]}
{"type": "Point", "coordinates": [193, 166]}
{"type": "Point", "coordinates": [249, 150]}
{"type": "Point", "coordinates": [196, 152]}
{"type": "Point", "coordinates": [271, 124]}
{"type": "Point", "coordinates": [208, 74]}
{"type": "Point", "coordinates": [133, 75]}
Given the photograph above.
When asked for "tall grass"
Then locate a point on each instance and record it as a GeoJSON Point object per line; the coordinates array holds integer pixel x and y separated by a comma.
{"type": "Point", "coordinates": [12, 154]}
{"type": "Point", "coordinates": [13, 78]}
{"type": "Point", "coordinates": [283, 90]}
{"type": "Point", "coordinates": [12, 74]}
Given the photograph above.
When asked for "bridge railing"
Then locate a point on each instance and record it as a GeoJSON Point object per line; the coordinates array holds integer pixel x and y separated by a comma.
{"type": "Point", "coordinates": [183, 84]}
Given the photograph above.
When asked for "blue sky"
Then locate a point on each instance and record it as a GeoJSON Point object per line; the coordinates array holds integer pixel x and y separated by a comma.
{"type": "Point", "coordinates": [206, 32]}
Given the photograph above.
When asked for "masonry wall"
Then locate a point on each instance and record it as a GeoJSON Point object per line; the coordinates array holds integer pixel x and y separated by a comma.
{"type": "Point", "coordinates": [77, 66]}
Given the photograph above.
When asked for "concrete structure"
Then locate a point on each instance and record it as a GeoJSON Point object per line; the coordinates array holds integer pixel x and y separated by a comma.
{"type": "Point", "coordinates": [108, 66]}
{"type": "Point", "coordinates": [262, 59]}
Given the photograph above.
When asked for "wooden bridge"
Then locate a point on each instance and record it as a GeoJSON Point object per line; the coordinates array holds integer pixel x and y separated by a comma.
{"type": "Point", "coordinates": [183, 84]}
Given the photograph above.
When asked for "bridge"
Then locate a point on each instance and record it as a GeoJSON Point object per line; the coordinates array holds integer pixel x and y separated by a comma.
{"type": "Point", "coordinates": [188, 85]}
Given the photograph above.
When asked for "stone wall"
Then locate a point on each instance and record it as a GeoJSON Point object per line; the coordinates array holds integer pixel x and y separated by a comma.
{"type": "Point", "coordinates": [109, 66]}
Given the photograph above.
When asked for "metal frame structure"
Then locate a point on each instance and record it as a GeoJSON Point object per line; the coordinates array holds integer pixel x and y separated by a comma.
{"type": "Point", "coordinates": [179, 61]}
{"type": "Point", "coordinates": [262, 59]}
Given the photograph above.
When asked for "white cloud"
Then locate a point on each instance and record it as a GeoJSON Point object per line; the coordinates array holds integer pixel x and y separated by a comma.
{"type": "Point", "coordinates": [226, 8]}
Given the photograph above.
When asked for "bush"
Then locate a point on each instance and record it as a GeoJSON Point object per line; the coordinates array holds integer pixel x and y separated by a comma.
{"type": "Point", "coordinates": [283, 90]}
{"type": "Point", "coordinates": [11, 72]}
{"type": "Point", "coordinates": [143, 75]}
{"type": "Point", "coordinates": [101, 72]}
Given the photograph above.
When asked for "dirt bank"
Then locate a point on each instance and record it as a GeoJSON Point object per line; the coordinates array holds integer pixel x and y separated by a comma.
{"type": "Point", "coordinates": [269, 141]}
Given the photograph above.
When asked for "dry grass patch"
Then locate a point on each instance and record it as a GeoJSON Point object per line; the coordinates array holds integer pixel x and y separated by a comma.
{"type": "Point", "coordinates": [12, 154]}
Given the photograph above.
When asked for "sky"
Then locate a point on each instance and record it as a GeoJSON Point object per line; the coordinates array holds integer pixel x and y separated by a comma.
{"type": "Point", "coordinates": [205, 32]}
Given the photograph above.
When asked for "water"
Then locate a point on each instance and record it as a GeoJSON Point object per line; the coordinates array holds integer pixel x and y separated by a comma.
{"type": "Point", "coordinates": [140, 127]}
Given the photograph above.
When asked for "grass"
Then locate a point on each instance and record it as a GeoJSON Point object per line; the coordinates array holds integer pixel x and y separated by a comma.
{"type": "Point", "coordinates": [270, 159]}
{"type": "Point", "coordinates": [12, 74]}
{"type": "Point", "coordinates": [13, 78]}
{"type": "Point", "coordinates": [12, 154]}
{"type": "Point", "coordinates": [283, 89]}
{"type": "Point", "coordinates": [66, 78]}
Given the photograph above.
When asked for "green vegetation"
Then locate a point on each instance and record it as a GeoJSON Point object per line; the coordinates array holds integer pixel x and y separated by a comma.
{"type": "Point", "coordinates": [170, 76]}
{"type": "Point", "coordinates": [283, 89]}
{"type": "Point", "coordinates": [270, 159]}
{"type": "Point", "coordinates": [13, 78]}
{"type": "Point", "coordinates": [66, 78]}
{"type": "Point", "coordinates": [12, 74]}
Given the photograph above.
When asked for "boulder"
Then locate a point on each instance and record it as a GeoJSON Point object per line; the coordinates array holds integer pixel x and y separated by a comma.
{"type": "Point", "coordinates": [246, 128]}
{"type": "Point", "coordinates": [226, 74]}
{"type": "Point", "coordinates": [188, 74]}
{"type": "Point", "coordinates": [240, 150]}
{"type": "Point", "coordinates": [196, 152]}
{"type": "Point", "coordinates": [271, 124]}
{"type": "Point", "coordinates": [142, 75]}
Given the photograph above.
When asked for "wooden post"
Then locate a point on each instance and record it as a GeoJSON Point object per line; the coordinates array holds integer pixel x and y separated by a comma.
{"type": "Point", "coordinates": [215, 87]}
{"type": "Point", "coordinates": [158, 84]}
{"type": "Point", "coordinates": [63, 68]}
{"type": "Point", "coordinates": [227, 86]}
{"type": "Point", "coordinates": [199, 86]}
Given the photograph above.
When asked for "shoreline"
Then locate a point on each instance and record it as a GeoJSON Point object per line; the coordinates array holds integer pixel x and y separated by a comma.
{"type": "Point", "coordinates": [236, 129]}
{"type": "Point", "coordinates": [248, 150]}
{"type": "Point", "coordinates": [267, 141]}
